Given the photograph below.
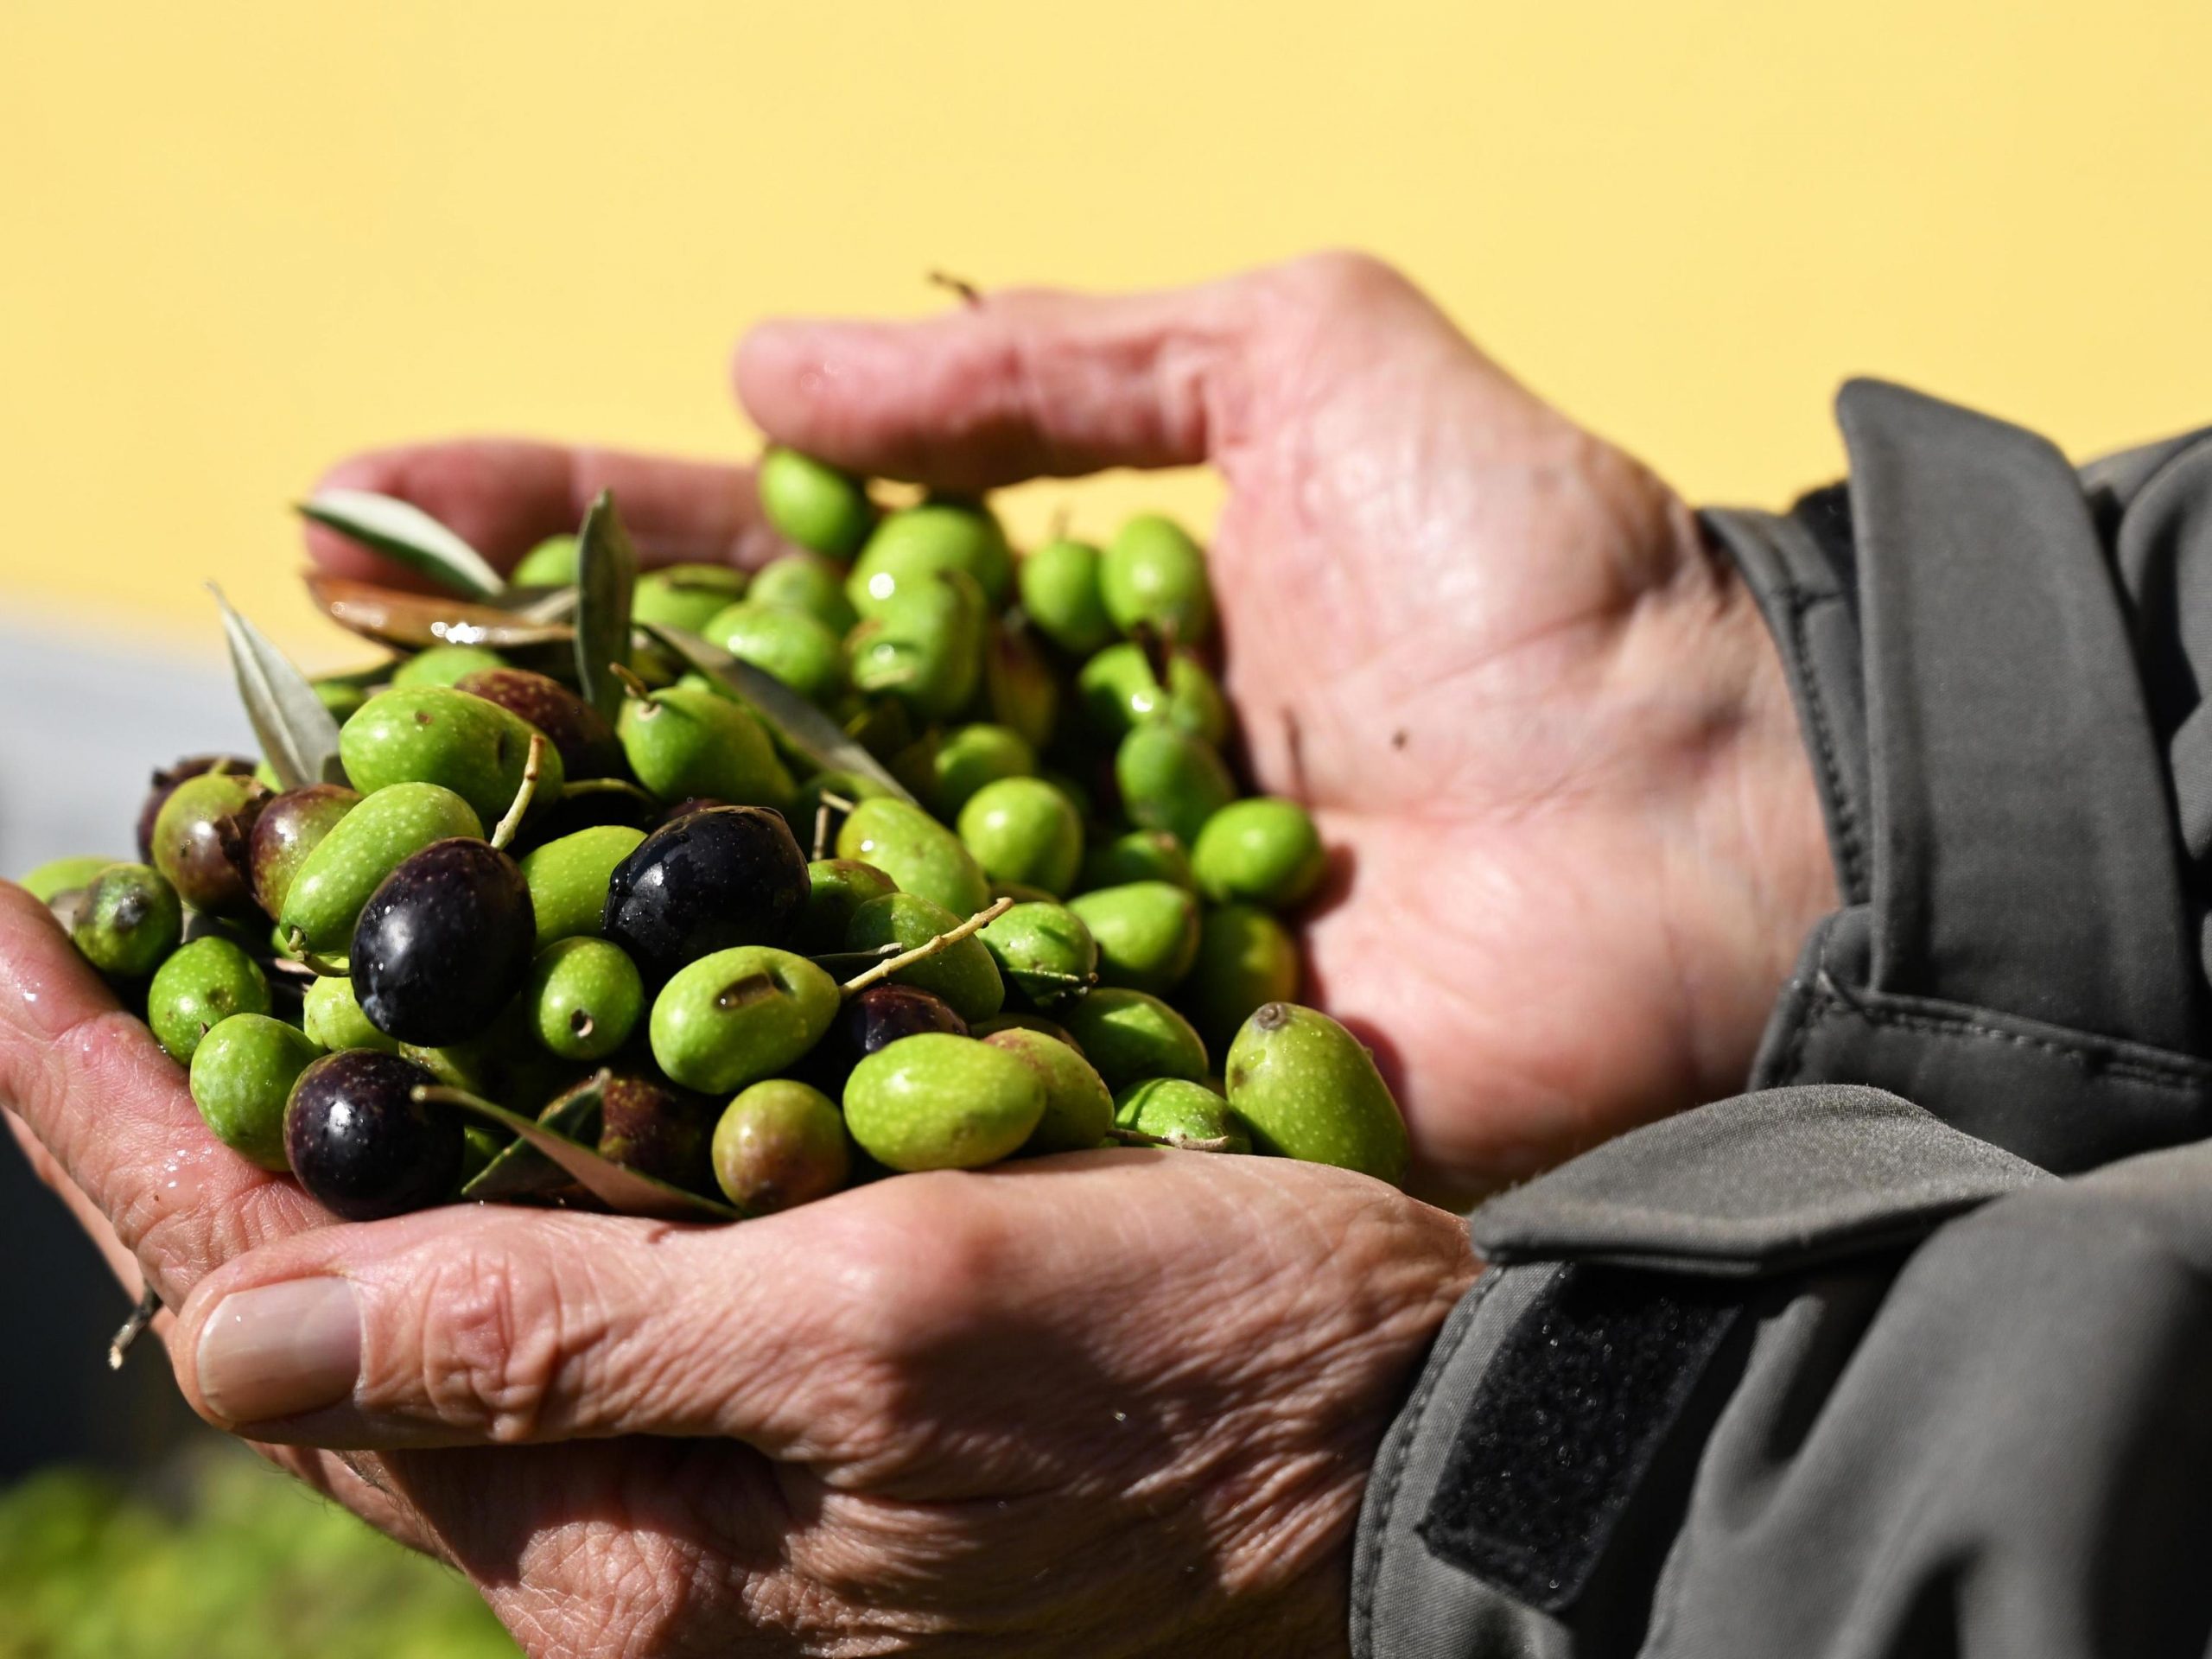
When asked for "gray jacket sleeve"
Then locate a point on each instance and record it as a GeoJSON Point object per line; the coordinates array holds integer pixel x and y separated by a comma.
{"type": "Point", "coordinates": [1903, 1352]}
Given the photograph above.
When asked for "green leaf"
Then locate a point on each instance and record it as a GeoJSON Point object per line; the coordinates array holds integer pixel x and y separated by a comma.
{"type": "Point", "coordinates": [795, 723]}
{"type": "Point", "coordinates": [298, 736]}
{"type": "Point", "coordinates": [606, 571]}
{"type": "Point", "coordinates": [401, 531]}
{"type": "Point", "coordinates": [623, 1191]}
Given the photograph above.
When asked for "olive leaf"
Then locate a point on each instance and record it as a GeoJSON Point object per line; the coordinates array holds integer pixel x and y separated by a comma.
{"type": "Point", "coordinates": [606, 569]}
{"type": "Point", "coordinates": [795, 723]}
{"type": "Point", "coordinates": [519, 1170]}
{"type": "Point", "coordinates": [401, 531]}
{"type": "Point", "coordinates": [623, 1191]}
{"type": "Point", "coordinates": [417, 621]}
{"type": "Point", "coordinates": [298, 735]}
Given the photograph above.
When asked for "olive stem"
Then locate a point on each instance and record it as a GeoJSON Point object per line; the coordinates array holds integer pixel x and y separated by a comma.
{"type": "Point", "coordinates": [632, 687]}
{"type": "Point", "coordinates": [320, 966]}
{"type": "Point", "coordinates": [504, 833]}
{"type": "Point", "coordinates": [969, 292]}
{"type": "Point", "coordinates": [1174, 1142]}
{"type": "Point", "coordinates": [823, 807]}
{"type": "Point", "coordinates": [951, 936]}
{"type": "Point", "coordinates": [140, 1316]}
{"type": "Point", "coordinates": [876, 954]}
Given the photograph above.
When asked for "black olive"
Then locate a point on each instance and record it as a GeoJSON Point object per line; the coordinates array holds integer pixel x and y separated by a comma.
{"type": "Point", "coordinates": [360, 1142]}
{"type": "Point", "coordinates": [726, 876]}
{"type": "Point", "coordinates": [443, 944]}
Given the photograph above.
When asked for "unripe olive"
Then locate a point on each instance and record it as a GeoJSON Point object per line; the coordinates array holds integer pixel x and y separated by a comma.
{"type": "Point", "coordinates": [242, 1073]}
{"type": "Point", "coordinates": [332, 1015]}
{"type": "Point", "coordinates": [940, 1101]}
{"type": "Point", "coordinates": [202, 985]}
{"type": "Point", "coordinates": [1139, 855]}
{"type": "Point", "coordinates": [1132, 1035]}
{"type": "Point", "coordinates": [1153, 574]}
{"type": "Point", "coordinates": [945, 771]}
{"type": "Point", "coordinates": [739, 1015]}
{"type": "Point", "coordinates": [1262, 851]}
{"type": "Point", "coordinates": [126, 920]}
{"type": "Point", "coordinates": [916, 543]}
{"type": "Point", "coordinates": [1022, 829]}
{"type": "Point", "coordinates": [963, 972]}
{"type": "Point", "coordinates": [805, 583]}
{"type": "Point", "coordinates": [60, 875]}
{"type": "Point", "coordinates": [352, 860]}
{"type": "Point", "coordinates": [585, 997]}
{"type": "Point", "coordinates": [1044, 951]}
{"type": "Point", "coordinates": [923, 644]}
{"type": "Point", "coordinates": [1176, 1110]}
{"type": "Point", "coordinates": [917, 852]}
{"type": "Point", "coordinates": [444, 664]}
{"type": "Point", "coordinates": [435, 734]}
{"type": "Point", "coordinates": [580, 732]}
{"type": "Point", "coordinates": [689, 740]}
{"type": "Point", "coordinates": [289, 828]}
{"type": "Point", "coordinates": [836, 888]}
{"type": "Point", "coordinates": [1171, 780]}
{"type": "Point", "coordinates": [789, 644]}
{"type": "Point", "coordinates": [201, 841]}
{"type": "Point", "coordinates": [551, 563]}
{"type": "Point", "coordinates": [1246, 959]}
{"type": "Point", "coordinates": [685, 596]}
{"type": "Point", "coordinates": [1060, 593]}
{"type": "Point", "coordinates": [1077, 1108]}
{"type": "Point", "coordinates": [821, 507]}
{"type": "Point", "coordinates": [1118, 689]}
{"type": "Point", "coordinates": [1147, 933]}
{"type": "Point", "coordinates": [1309, 1089]}
{"type": "Point", "coordinates": [567, 878]}
{"type": "Point", "coordinates": [1019, 687]}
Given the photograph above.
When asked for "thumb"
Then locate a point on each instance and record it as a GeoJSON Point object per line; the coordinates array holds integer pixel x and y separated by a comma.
{"type": "Point", "coordinates": [460, 1326]}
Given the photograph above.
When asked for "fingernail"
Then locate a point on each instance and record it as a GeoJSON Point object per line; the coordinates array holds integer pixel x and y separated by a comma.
{"type": "Point", "coordinates": [281, 1349]}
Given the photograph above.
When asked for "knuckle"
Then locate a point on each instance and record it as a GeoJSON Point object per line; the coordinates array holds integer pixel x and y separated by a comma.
{"type": "Point", "coordinates": [1340, 279]}
{"type": "Point", "coordinates": [490, 1341]}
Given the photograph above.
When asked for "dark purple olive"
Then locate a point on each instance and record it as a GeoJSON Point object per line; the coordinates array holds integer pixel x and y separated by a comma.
{"type": "Point", "coordinates": [360, 1142]}
{"type": "Point", "coordinates": [164, 785]}
{"type": "Point", "coordinates": [201, 839]}
{"type": "Point", "coordinates": [725, 876]}
{"type": "Point", "coordinates": [651, 1126]}
{"type": "Point", "coordinates": [443, 944]}
{"type": "Point", "coordinates": [871, 1020]}
{"type": "Point", "coordinates": [587, 743]}
{"type": "Point", "coordinates": [289, 828]}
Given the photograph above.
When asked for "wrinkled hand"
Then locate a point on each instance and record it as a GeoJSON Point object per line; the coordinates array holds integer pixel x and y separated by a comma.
{"type": "Point", "coordinates": [1121, 1404]}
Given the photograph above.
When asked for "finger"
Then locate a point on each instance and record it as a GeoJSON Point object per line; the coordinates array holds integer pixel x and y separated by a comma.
{"type": "Point", "coordinates": [1021, 384]}
{"type": "Point", "coordinates": [460, 1326]}
{"type": "Point", "coordinates": [112, 1110]}
{"type": "Point", "coordinates": [504, 496]}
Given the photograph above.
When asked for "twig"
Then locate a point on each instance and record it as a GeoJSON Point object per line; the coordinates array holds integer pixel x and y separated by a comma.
{"type": "Point", "coordinates": [505, 831]}
{"type": "Point", "coordinates": [320, 966]}
{"type": "Point", "coordinates": [969, 294]}
{"type": "Point", "coordinates": [823, 807]}
{"type": "Point", "coordinates": [1178, 1142]}
{"type": "Point", "coordinates": [632, 687]}
{"type": "Point", "coordinates": [140, 1316]}
{"type": "Point", "coordinates": [928, 948]}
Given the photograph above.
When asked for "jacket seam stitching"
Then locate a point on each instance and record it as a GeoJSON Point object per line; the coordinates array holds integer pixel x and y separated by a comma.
{"type": "Point", "coordinates": [1827, 1005]}
{"type": "Point", "coordinates": [1362, 1606]}
{"type": "Point", "coordinates": [1799, 604]}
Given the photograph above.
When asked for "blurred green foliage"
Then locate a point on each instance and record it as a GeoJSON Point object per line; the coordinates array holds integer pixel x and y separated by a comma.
{"type": "Point", "coordinates": [245, 1566]}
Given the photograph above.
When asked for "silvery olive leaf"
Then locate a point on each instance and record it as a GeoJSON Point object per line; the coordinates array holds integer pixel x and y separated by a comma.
{"type": "Point", "coordinates": [796, 724]}
{"type": "Point", "coordinates": [298, 735]}
{"type": "Point", "coordinates": [416, 621]}
{"type": "Point", "coordinates": [402, 532]}
{"type": "Point", "coordinates": [606, 569]}
{"type": "Point", "coordinates": [623, 1191]}
{"type": "Point", "coordinates": [520, 1170]}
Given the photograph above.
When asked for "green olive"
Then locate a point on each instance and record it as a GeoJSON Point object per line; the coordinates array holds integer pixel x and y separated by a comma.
{"type": "Point", "coordinates": [836, 888]}
{"type": "Point", "coordinates": [805, 583]}
{"type": "Point", "coordinates": [915, 543]}
{"type": "Point", "coordinates": [789, 644]}
{"type": "Point", "coordinates": [685, 595]}
{"type": "Point", "coordinates": [739, 1015]}
{"type": "Point", "coordinates": [944, 769]}
{"type": "Point", "coordinates": [1019, 687]}
{"type": "Point", "coordinates": [1262, 851]}
{"type": "Point", "coordinates": [1309, 1089]}
{"type": "Point", "coordinates": [963, 974]}
{"type": "Point", "coordinates": [1155, 576]}
{"type": "Point", "coordinates": [1060, 593]}
{"type": "Point", "coordinates": [923, 644]}
{"type": "Point", "coordinates": [1118, 689]}
{"type": "Point", "coordinates": [935, 1101]}
{"type": "Point", "coordinates": [242, 1074]}
{"type": "Point", "coordinates": [202, 985]}
{"type": "Point", "coordinates": [1077, 1108]}
{"type": "Point", "coordinates": [331, 1015]}
{"type": "Point", "coordinates": [127, 920]}
{"type": "Point", "coordinates": [1171, 780]}
{"type": "Point", "coordinates": [1246, 958]}
{"type": "Point", "coordinates": [444, 664]}
{"type": "Point", "coordinates": [567, 878]}
{"type": "Point", "coordinates": [57, 876]}
{"type": "Point", "coordinates": [1132, 1035]}
{"type": "Point", "coordinates": [821, 507]}
{"type": "Point", "coordinates": [551, 563]}
{"type": "Point", "coordinates": [435, 734]}
{"type": "Point", "coordinates": [1023, 830]}
{"type": "Point", "coordinates": [1178, 1110]}
{"type": "Point", "coordinates": [585, 997]}
{"type": "Point", "coordinates": [917, 852]}
{"type": "Point", "coordinates": [1139, 855]}
{"type": "Point", "coordinates": [350, 861]}
{"type": "Point", "coordinates": [1147, 933]}
{"type": "Point", "coordinates": [687, 741]}
{"type": "Point", "coordinates": [1044, 951]}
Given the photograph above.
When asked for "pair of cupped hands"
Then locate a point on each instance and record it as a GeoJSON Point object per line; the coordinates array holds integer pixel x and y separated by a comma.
{"type": "Point", "coordinates": [1120, 1403]}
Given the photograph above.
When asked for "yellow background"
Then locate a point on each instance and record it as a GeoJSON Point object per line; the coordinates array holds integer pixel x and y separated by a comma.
{"type": "Point", "coordinates": [237, 240]}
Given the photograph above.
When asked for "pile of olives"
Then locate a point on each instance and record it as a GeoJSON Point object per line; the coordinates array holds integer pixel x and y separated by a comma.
{"type": "Point", "coordinates": [1032, 914]}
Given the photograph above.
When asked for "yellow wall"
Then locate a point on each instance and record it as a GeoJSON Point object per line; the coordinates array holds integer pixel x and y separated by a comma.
{"type": "Point", "coordinates": [238, 239]}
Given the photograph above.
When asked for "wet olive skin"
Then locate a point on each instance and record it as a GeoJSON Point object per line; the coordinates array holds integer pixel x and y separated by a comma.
{"type": "Point", "coordinates": [201, 837]}
{"type": "Point", "coordinates": [164, 784]}
{"type": "Point", "coordinates": [126, 921]}
{"type": "Point", "coordinates": [727, 876]}
{"type": "Point", "coordinates": [443, 944]}
{"type": "Point", "coordinates": [875, 1019]}
{"type": "Point", "coordinates": [291, 827]}
{"type": "Point", "coordinates": [584, 736]}
{"type": "Point", "coordinates": [781, 1144]}
{"type": "Point", "coordinates": [360, 1142]}
{"type": "Point", "coordinates": [648, 1124]}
